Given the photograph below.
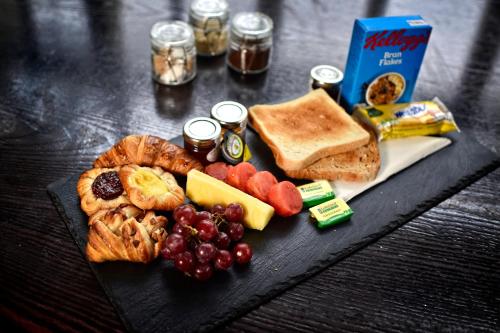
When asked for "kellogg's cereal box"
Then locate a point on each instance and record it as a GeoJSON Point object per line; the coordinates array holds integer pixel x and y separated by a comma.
{"type": "Point", "coordinates": [384, 60]}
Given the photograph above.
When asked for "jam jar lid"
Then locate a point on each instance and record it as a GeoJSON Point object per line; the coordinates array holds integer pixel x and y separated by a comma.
{"type": "Point", "coordinates": [202, 129]}
{"type": "Point", "coordinates": [327, 74]}
{"type": "Point", "coordinates": [253, 25]}
{"type": "Point", "coordinates": [229, 113]}
{"type": "Point", "coordinates": [205, 9]}
{"type": "Point", "coordinates": [171, 33]}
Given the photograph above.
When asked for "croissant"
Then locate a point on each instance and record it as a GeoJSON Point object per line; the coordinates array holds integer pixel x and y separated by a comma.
{"type": "Point", "coordinates": [125, 233]}
{"type": "Point", "coordinates": [149, 150]}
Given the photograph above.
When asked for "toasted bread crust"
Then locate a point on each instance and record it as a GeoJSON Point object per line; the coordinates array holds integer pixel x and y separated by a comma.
{"type": "Point", "coordinates": [302, 131]}
{"type": "Point", "coordinates": [359, 165]}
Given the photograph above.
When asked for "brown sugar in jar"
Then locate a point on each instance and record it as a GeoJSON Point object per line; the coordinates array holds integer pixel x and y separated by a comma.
{"type": "Point", "coordinates": [250, 43]}
{"type": "Point", "coordinates": [210, 22]}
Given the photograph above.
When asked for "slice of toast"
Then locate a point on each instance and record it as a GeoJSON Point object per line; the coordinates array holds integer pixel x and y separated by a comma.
{"type": "Point", "coordinates": [359, 165]}
{"type": "Point", "coordinates": [302, 131]}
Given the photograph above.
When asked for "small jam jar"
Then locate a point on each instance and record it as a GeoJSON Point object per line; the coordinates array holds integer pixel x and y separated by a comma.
{"type": "Point", "coordinates": [250, 43]}
{"type": "Point", "coordinates": [173, 53]}
{"type": "Point", "coordinates": [202, 139]}
{"type": "Point", "coordinates": [328, 78]}
{"type": "Point", "coordinates": [233, 119]}
{"type": "Point", "coordinates": [210, 22]}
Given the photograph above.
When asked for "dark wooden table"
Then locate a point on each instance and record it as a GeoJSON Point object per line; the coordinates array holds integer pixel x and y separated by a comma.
{"type": "Point", "coordinates": [76, 77]}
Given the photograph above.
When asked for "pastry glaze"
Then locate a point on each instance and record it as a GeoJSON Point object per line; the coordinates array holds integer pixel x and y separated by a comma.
{"type": "Point", "coordinates": [151, 188]}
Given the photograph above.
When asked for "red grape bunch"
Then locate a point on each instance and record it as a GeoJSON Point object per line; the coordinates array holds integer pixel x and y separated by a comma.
{"type": "Point", "coordinates": [206, 240]}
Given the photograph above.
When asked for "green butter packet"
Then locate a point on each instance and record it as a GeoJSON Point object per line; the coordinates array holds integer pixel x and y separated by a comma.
{"type": "Point", "coordinates": [331, 212]}
{"type": "Point", "coordinates": [316, 193]}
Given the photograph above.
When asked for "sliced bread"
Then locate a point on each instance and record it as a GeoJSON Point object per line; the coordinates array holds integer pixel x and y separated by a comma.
{"type": "Point", "coordinates": [359, 165]}
{"type": "Point", "coordinates": [302, 131]}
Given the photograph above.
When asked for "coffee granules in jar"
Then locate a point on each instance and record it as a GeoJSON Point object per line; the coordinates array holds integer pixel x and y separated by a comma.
{"type": "Point", "coordinates": [250, 43]}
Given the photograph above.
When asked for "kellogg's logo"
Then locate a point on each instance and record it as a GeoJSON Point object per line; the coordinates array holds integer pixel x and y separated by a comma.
{"type": "Point", "coordinates": [395, 38]}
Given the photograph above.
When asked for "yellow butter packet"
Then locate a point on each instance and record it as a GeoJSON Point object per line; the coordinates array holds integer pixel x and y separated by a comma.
{"type": "Point", "coordinates": [392, 121]}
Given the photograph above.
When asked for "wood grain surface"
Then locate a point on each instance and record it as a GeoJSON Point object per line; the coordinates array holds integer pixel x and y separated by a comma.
{"type": "Point", "coordinates": [76, 77]}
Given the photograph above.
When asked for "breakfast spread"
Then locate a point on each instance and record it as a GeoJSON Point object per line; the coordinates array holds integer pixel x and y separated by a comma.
{"type": "Point", "coordinates": [133, 184]}
{"type": "Point", "coordinates": [384, 59]}
{"type": "Point", "coordinates": [407, 119]}
{"type": "Point", "coordinates": [121, 201]}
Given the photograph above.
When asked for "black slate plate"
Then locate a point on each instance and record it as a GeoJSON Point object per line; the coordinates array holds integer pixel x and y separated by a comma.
{"type": "Point", "coordinates": [157, 297]}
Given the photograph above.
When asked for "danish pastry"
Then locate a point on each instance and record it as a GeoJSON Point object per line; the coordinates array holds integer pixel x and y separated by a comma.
{"type": "Point", "coordinates": [125, 233]}
{"type": "Point", "coordinates": [151, 188]}
{"type": "Point", "coordinates": [113, 217]}
{"type": "Point", "coordinates": [149, 150]}
{"type": "Point", "coordinates": [99, 189]}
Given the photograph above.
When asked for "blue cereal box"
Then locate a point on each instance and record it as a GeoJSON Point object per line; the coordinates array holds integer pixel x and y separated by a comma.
{"type": "Point", "coordinates": [384, 59]}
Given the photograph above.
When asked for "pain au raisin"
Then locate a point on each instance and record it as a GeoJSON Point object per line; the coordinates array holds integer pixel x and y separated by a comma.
{"type": "Point", "coordinates": [107, 186]}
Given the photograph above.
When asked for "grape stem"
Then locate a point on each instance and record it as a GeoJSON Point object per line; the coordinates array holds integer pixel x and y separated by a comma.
{"type": "Point", "coordinates": [219, 219]}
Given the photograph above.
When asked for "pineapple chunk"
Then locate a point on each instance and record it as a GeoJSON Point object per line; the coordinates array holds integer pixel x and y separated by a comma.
{"type": "Point", "coordinates": [207, 191]}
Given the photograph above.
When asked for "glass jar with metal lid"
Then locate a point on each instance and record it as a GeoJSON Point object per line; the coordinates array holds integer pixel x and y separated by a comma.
{"type": "Point", "coordinates": [210, 22]}
{"type": "Point", "coordinates": [328, 78]}
{"type": "Point", "coordinates": [250, 42]}
{"type": "Point", "coordinates": [173, 53]}
{"type": "Point", "coordinates": [233, 119]}
{"type": "Point", "coordinates": [202, 137]}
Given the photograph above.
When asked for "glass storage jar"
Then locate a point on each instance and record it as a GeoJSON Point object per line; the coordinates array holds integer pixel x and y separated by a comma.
{"type": "Point", "coordinates": [173, 53]}
{"type": "Point", "coordinates": [250, 42]}
{"type": "Point", "coordinates": [209, 19]}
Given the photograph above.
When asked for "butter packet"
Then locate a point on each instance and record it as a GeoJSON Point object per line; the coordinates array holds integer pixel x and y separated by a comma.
{"type": "Point", "coordinates": [315, 193]}
{"type": "Point", "coordinates": [330, 213]}
{"type": "Point", "coordinates": [392, 121]}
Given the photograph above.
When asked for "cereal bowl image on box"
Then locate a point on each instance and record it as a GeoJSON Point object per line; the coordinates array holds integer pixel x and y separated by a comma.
{"type": "Point", "coordinates": [385, 89]}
